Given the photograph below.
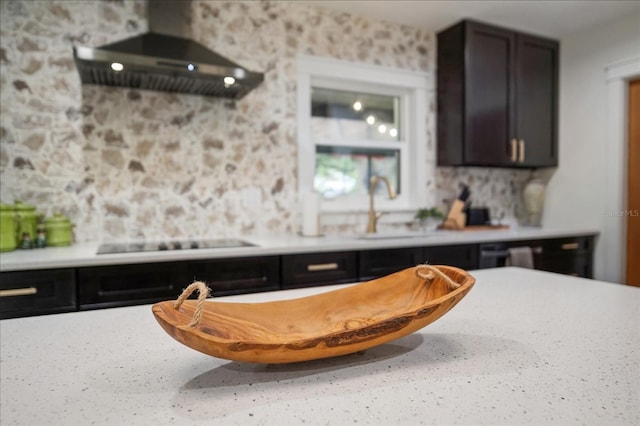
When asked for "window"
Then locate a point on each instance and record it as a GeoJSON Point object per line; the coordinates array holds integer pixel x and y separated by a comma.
{"type": "Point", "coordinates": [356, 121]}
{"type": "Point", "coordinates": [356, 136]}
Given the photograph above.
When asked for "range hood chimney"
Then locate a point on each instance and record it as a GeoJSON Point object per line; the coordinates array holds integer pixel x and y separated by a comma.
{"type": "Point", "coordinates": [165, 59]}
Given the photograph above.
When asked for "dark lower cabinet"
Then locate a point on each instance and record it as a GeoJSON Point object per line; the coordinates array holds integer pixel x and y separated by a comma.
{"type": "Point", "coordinates": [578, 266]}
{"type": "Point", "coordinates": [376, 263]}
{"type": "Point", "coordinates": [463, 256]}
{"type": "Point", "coordinates": [109, 286]}
{"type": "Point", "coordinates": [307, 270]}
{"type": "Point", "coordinates": [569, 256]}
{"type": "Point", "coordinates": [237, 276]}
{"type": "Point", "coordinates": [25, 293]}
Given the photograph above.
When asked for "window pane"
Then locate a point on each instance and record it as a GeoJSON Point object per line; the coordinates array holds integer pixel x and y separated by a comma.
{"type": "Point", "coordinates": [345, 171]}
{"type": "Point", "coordinates": [339, 115]}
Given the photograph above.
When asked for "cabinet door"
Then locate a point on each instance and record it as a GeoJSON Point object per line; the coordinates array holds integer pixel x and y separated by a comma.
{"type": "Point", "coordinates": [570, 255]}
{"type": "Point", "coordinates": [576, 265]}
{"type": "Point", "coordinates": [377, 263]}
{"type": "Point", "coordinates": [306, 270]}
{"type": "Point", "coordinates": [24, 293]}
{"type": "Point", "coordinates": [490, 95]}
{"type": "Point", "coordinates": [110, 286]}
{"type": "Point", "coordinates": [507, 85]}
{"type": "Point", "coordinates": [537, 101]}
{"type": "Point", "coordinates": [238, 276]}
{"type": "Point", "coordinates": [463, 256]}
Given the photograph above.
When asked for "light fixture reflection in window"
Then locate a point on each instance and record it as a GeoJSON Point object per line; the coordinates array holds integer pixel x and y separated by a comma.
{"type": "Point", "coordinates": [371, 119]}
{"type": "Point", "coordinates": [357, 106]}
{"type": "Point", "coordinates": [229, 81]}
{"type": "Point", "coordinates": [191, 67]}
{"type": "Point", "coordinates": [117, 66]}
{"type": "Point", "coordinates": [393, 132]}
{"type": "Point", "coordinates": [382, 128]}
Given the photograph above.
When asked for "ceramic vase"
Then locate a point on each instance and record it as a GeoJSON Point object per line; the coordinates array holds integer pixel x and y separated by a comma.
{"type": "Point", "coordinates": [533, 197]}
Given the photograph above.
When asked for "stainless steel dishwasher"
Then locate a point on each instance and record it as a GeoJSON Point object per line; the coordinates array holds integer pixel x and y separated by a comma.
{"type": "Point", "coordinates": [494, 255]}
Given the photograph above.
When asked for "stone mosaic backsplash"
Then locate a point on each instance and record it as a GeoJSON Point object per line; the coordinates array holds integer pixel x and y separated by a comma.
{"type": "Point", "coordinates": [130, 164]}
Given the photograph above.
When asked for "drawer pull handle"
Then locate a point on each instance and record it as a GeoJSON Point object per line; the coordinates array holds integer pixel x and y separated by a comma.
{"type": "Point", "coordinates": [570, 246]}
{"type": "Point", "coordinates": [26, 291]}
{"type": "Point", "coordinates": [322, 267]}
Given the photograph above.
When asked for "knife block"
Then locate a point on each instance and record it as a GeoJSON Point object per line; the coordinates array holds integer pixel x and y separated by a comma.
{"type": "Point", "coordinates": [455, 219]}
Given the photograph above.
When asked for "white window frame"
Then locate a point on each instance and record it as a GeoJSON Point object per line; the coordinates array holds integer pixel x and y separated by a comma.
{"type": "Point", "coordinates": [410, 86]}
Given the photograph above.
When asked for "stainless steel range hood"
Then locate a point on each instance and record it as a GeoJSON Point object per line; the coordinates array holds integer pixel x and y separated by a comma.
{"type": "Point", "coordinates": [165, 60]}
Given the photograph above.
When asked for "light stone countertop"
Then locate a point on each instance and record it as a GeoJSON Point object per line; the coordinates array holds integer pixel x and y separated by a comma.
{"type": "Point", "coordinates": [523, 347]}
{"type": "Point", "coordinates": [84, 254]}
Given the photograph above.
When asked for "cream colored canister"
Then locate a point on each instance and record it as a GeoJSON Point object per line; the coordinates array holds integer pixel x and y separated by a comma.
{"type": "Point", "coordinates": [533, 197]}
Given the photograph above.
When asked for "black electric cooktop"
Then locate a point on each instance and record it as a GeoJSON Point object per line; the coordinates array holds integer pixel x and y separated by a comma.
{"type": "Point", "coordinates": [110, 248]}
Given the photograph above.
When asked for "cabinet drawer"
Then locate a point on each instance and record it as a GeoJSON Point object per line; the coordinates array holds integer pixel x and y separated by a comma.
{"type": "Point", "coordinates": [569, 245]}
{"type": "Point", "coordinates": [376, 263]}
{"type": "Point", "coordinates": [24, 293]}
{"type": "Point", "coordinates": [463, 256]}
{"type": "Point", "coordinates": [109, 286]}
{"type": "Point", "coordinates": [304, 270]}
{"type": "Point", "coordinates": [237, 276]}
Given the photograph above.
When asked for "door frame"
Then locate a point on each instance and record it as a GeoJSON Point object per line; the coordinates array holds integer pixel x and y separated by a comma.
{"type": "Point", "coordinates": [614, 228]}
{"type": "Point", "coordinates": [632, 270]}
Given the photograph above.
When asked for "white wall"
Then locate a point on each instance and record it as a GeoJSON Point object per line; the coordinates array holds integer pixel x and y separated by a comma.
{"type": "Point", "coordinates": [577, 191]}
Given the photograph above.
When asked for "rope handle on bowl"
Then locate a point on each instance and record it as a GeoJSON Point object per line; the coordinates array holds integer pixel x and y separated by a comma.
{"type": "Point", "coordinates": [427, 272]}
{"type": "Point", "coordinates": [203, 291]}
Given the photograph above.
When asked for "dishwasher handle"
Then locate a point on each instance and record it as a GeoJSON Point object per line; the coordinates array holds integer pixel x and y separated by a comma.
{"type": "Point", "coordinates": [494, 253]}
{"type": "Point", "coordinates": [505, 253]}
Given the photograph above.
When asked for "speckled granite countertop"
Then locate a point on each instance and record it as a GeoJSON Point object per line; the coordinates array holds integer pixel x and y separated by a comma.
{"type": "Point", "coordinates": [84, 254]}
{"type": "Point", "coordinates": [524, 347]}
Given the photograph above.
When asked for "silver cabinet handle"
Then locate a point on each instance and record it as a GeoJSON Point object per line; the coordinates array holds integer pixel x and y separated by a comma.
{"type": "Point", "coordinates": [322, 267]}
{"type": "Point", "coordinates": [570, 246]}
{"type": "Point", "coordinates": [514, 150]}
{"type": "Point", "coordinates": [26, 291]}
{"type": "Point", "coordinates": [522, 144]}
{"type": "Point", "coordinates": [494, 253]}
{"type": "Point", "coordinates": [505, 253]}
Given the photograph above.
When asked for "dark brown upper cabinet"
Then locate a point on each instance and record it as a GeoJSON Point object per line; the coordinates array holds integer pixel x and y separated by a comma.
{"type": "Point", "coordinates": [497, 97]}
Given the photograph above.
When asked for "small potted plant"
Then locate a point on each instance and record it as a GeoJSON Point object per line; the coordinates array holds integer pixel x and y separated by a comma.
{"type": "Point", "coordinates": [429, 218]}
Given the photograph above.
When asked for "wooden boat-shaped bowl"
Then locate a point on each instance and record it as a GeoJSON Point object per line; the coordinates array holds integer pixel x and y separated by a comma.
{"type": "Point", "coordinates": [328, 324]}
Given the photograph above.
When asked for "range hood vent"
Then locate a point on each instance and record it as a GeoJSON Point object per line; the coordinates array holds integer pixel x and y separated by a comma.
{"type": "Point", "coordinates": [165, 62]}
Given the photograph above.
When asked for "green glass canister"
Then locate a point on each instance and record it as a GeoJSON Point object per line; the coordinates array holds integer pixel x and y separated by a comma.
{"type": "Point", "coordinates": [8, 228]}
{"type": "Point", "coordinates": [59, 230]}
{"type": "Point", "coordinates": [27, 220]}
